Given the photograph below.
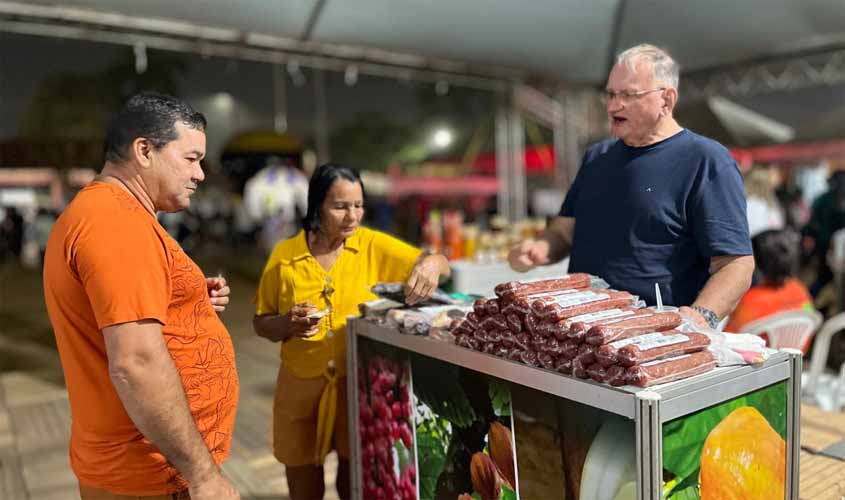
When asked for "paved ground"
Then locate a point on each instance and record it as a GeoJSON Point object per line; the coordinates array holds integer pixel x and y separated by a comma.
{"type": "Point", "coordinates": [35, 423]}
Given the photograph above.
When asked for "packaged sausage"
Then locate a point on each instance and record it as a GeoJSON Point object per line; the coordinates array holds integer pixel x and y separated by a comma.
{"type": "Point", "coordinates": [579, 325]}
{"type": "Point", "coordinates": [575, 280]}
{"type": "Point", "coordinates": [670, 369]}
{"type": "Point", "coordinates": [666, 345]}
{"type": "Point", "coordinates": [531, 324]}
{"type": "Point", "coordinates": [569, 348]}
{"type": "Point", "coordinates": [529, 358]}
{"type": "Point", "coordinates": [563, 365]}
{"type": "Point", "coordinates": [616, 375]}
{"type": "Point", "coordinates": [539, 343]}
{"type": "Point", "coordinates": [507, 339]}
{"type": "Point", "coordinates": [607, 354]}
{"type": "Point", "coordinates": [492, 307]}
{"type": "Point", "coordinates": [554, 347]}
{"type": "Point", "coordinates": [522, 303]}
{"type": "Point", "coordinates": [479, 307]}
{"type": "Point", "coordinates": [579, 369]}
{"type": "Point", "coordinates": [546, 360]}
{"type": "Point", "coordinates": [514, 323]}
{"type": "Point", "coordinates": [494, 321]}
{"type": "Point", "coordinates": [597, 372]}
{"type": "Point", "coordinates": [644, 323]}
{"type": "Point", "coordinates": [586, 354]}
{"type": "Point", "coordinates": [522, 341]}
{"type": "Point", "coordinates": [597, 301]}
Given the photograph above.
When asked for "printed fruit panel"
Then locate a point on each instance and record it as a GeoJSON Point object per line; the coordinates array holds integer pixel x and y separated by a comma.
{"type": "Point", "coordinates": [732, 450]}
{"type": "Point", "coordinates": [464, 433]}
{"type": "Point", "coordinates": [570, 451]}
{"type": "Point", "coordinates": [385, 412]}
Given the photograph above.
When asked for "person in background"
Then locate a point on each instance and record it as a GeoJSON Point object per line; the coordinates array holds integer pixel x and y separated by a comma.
{"type": "Point", "coordinates": [329, 266]}
{"type": "Point", "coordinates": [828, 216]}
{"type": "Point", "coordinates": [776, 253]}
{"type": "Point", "coordinates": [149, 365]}
{"type": "Point", "coordinates": [764, 211]}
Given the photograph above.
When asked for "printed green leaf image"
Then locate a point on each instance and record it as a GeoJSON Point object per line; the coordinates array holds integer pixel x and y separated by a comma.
{"type": "Point", "coordinates": [432, 443]}
{"type": "Point", "coordinates": [434, 384]}
{"type": "Point", "coordinates": [500, 397]}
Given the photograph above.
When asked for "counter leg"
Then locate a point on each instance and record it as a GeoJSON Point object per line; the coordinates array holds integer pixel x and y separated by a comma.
{"type": "Point", "coordinates": [649, 446]}
{"type": "Point", "coordinates": [356, 491]}
{"type": "Point", "coordinates": [793, 423]}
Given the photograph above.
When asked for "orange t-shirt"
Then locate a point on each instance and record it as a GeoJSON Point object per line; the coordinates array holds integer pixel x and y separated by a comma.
{"type": "Point", "coordinates": [108, 261]}
{"type": "Point", "coordinates": [761, 301]}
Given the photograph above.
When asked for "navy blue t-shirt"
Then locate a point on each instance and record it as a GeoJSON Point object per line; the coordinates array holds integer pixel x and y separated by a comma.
{"type": "Point", "coordinates": [657, 214]}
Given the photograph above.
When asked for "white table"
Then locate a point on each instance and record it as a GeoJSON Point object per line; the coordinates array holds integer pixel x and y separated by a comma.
{"type": "Point", "coordinates": [478, 278]}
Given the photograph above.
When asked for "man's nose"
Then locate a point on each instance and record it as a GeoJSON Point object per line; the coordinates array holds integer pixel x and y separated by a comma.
{"type": "Point", "coordinates": [199, 175]}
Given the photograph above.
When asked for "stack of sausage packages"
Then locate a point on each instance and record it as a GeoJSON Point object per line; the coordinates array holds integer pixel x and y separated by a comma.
{"type": "Point", "coordinates": [565, 325]}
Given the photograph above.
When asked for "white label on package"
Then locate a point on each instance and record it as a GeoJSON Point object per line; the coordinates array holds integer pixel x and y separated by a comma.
{"type": "Point", "coordinates": [617, 320]}
{"type": "Point", "coordinates": [636, 340]}
{"type": "Point", "coordinates": [663, 340]}
{"type": "Point", "coordinates": [537, 280]}
{"type": "Point", "coordinates": [676, 358]}
{"type": "Point", "coordinates": [576, 299]}
{"type": "Point", "coordinates": [550, 294]}
{"type": "Point", "coordinates": [598, 316]}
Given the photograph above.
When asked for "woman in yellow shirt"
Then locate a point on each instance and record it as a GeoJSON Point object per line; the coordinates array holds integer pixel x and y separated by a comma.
{"type": "Point", "coordinates": [329, 267]}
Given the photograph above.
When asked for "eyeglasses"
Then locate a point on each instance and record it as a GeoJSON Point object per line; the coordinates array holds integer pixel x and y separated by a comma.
{"type": "Point", "coordinates": [624, 96]}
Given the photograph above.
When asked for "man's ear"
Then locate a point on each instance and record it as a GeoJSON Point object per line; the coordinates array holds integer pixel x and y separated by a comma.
{"type": "Point", "coordinates": [142, 150]}
{"type": "Point", "coordinates": [670, 99]}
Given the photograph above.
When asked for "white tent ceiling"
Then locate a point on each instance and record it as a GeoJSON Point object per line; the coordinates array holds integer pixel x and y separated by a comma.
{"type": "Point", "coordinates": [567, 40]}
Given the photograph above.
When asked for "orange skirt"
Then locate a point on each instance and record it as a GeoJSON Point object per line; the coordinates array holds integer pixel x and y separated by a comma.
{"type": "Point", "coordinates": [295, 418]}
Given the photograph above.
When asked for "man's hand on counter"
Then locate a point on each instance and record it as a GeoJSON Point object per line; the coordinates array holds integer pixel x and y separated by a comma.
{"type": "Point", "coordinates": [529, 254]}
{"type": "Point", "coordinates": [695, 316]}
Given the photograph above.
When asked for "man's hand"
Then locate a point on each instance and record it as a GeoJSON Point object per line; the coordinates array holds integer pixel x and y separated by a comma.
{"type": "Point", "coordinates": [217, 487]}
{"type": "Point", "coordinates": [695, 316]}
{"type": "Point", "coordinates": [423, 280]}
{"type": "Point", "coordinates": [218, 292]}
{"type": "Point", "coordinates": [528, 255]}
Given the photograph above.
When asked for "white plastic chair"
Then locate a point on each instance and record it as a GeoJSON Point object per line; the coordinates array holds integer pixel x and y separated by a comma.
{"type": "Point", "coordinates": [792, 329]}
{"type": "Point", "coordinates": [814, 385]}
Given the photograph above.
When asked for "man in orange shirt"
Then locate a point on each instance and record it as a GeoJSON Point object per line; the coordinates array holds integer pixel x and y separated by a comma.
{"type": "Point", "coordinates": [149, 366]}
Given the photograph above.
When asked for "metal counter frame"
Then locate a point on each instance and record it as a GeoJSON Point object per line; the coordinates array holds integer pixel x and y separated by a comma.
{"type": "Point", "coordinates": [648, 408]}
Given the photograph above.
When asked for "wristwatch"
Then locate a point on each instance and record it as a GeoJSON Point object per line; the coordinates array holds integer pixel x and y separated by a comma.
{"type": "Point", "coordinates": [710, 316]}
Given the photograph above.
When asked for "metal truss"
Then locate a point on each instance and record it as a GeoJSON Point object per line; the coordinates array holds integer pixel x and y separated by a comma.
{"type": "Point", "coordinates": [821, 69]}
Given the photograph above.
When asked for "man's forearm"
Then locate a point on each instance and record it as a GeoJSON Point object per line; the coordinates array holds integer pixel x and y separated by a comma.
{"type": "Point", "coordinates": [726, 286]}
{"type": "Point", "coordinates": [152, 393]}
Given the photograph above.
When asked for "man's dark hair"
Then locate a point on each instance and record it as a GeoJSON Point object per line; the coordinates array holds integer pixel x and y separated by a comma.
{"type": "Point", "coordinates": [776, 254]}
{"type": "Point", "coordinates": [152, 116]}
{"type": "Point", "coordinates": [319, 186]}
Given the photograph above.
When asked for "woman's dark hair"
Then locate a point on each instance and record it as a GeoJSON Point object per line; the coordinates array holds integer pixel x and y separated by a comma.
{"type": "Point", "coordinates": [321, 181]}
{"type": "Point", "coordinates": [776, 254]}
{"type": "Point", "coordinates": [152, 116]}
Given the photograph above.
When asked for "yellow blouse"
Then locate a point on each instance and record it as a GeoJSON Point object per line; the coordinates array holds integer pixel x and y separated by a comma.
{"type": "Point", "coordinates": [293, 275]}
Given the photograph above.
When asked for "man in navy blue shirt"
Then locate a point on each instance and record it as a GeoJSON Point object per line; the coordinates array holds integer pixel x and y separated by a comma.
{"type": "Point", "coordinates": [659, 204]}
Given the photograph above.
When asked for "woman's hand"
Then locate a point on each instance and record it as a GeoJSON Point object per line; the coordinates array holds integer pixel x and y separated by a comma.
{"type": "Point", "coordinates": [424, 278]}
{"type": "Point", "coordinates": [304, 322]}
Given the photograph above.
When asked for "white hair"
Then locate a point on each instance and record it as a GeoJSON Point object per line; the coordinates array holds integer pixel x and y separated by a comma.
{"type": "Point", "coordinates": [665, 69]}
